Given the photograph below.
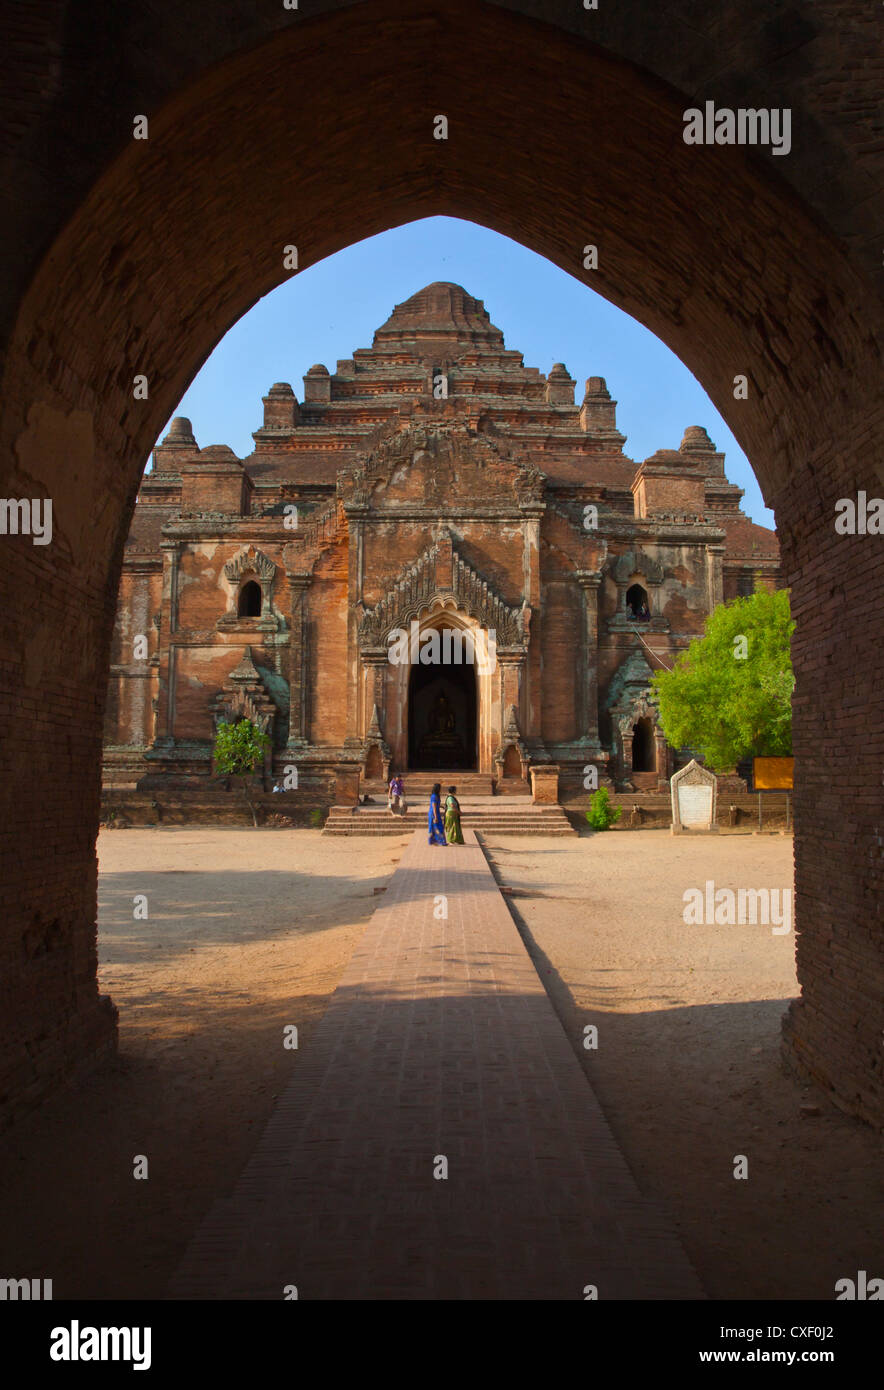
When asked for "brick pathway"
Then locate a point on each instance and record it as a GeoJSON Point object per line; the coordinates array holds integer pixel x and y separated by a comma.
{"type": "Point", "coordinates": [439, 1040]}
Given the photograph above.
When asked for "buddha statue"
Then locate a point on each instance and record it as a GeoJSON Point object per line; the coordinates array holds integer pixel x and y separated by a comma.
{"type": "Point", "coordinates": [441, 746]}
{"type": "Point", "coordinates": [441, 718]}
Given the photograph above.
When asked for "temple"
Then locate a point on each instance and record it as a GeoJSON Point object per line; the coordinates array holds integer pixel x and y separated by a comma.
{"type": "Point", "coordinates": [434, 559]}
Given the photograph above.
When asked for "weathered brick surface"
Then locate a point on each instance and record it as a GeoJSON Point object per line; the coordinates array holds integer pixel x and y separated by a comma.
{"type": "Point", "coordinates": [493, 480]}
{"type": "Point", "coordinates": [128, 257]}
{"type": "Point", "coordinates": [835, 1032]}
{"type": "Point", "coordinates": [440, 1040]}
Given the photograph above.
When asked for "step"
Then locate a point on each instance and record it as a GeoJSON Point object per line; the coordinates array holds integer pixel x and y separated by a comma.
{"type": "Point", "coordinates": [478, 806]}
{"type": "Point", "coordinates": [422, 783]}
{"type": "Point", "coordinates": [527, 820]}
{"type": "Point", "coordinates": [413, 822]}
{"type": "Point", "coordinates": [467, 813]}
{"type": "Point", "coordinates": [390, 831]}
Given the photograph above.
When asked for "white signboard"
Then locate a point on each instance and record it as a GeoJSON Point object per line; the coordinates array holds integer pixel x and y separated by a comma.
{"type": "Point", "coordinates": [693, 790]}
{"type": "Point", "coordinates": [695, 807]}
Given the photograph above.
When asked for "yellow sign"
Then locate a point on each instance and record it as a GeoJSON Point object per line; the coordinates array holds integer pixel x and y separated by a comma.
{"type": "Point", "coordinates": [772, 774]}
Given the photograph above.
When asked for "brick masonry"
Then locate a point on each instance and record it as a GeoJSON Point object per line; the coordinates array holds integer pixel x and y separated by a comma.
{"type": "Point", "coordinates": [439, 1040]}
{"type": "Point", "coordinates": [126, 257]}
{"type": "Point", "coordinates": [481, 499]}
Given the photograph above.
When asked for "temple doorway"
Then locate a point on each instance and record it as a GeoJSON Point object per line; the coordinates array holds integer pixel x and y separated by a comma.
{"type": "Point", "coordinates": [643, 752]}
{"type": "Point", "coordinates": [442, 716]}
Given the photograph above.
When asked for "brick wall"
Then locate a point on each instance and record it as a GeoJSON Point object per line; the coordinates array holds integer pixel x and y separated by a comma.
{"type": "Point", "coordinates": [749, 264]}
{"type": "Point", "coordinates": [836, 1032]}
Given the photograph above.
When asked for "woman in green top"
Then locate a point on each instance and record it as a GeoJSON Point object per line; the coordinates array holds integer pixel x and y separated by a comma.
{"type": "Point", "coordinates": [453, 832]}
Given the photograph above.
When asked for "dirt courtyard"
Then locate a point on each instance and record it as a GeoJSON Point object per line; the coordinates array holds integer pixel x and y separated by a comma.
{"type": "Point", "coordinates": [687, 1067]}
{"type": "Point", "coordinates": [248, 931]}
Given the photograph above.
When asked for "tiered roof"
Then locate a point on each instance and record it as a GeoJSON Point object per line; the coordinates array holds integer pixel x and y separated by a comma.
{"type": "Point", "coordinates": [443, 329]}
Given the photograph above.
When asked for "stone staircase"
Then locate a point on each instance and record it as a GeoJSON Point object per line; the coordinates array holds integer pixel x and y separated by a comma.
{"type": "Point", "coordinates": [489, 814]}
{"type": "Point", "coordinates": [418, 785]}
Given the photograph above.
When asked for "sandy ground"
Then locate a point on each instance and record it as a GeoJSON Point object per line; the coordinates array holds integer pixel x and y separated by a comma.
{"type": "Point", "coordinates": [688, 1067]}
{"type": "Point", "coordinates": [248, 931]}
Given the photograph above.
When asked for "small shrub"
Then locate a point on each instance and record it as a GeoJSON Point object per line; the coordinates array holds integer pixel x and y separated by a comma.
{"type": "Point", "coordinates": [316, 818]}
{"type": "Point", "coordinates": [601, 814]}
{"type": "Point", "coordinates": [239, 752]}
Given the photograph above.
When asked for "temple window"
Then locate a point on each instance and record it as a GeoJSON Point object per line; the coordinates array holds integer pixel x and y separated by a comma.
{"type": "Point", "coordinates": [249, 603]}
{"type": "Point", "coordinates": [637, 606]}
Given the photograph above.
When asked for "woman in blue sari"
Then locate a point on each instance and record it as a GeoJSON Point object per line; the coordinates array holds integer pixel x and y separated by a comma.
{"type": "Point", "coordinates": [435, 823]}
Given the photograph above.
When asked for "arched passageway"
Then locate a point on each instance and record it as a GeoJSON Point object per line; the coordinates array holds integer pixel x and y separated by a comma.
{"type": "Point", "coordinates": [442, 717]}
{"type": "Point", "coordinates": [130, 258]}
{"type": "Point", "coordinates": [643, 752]}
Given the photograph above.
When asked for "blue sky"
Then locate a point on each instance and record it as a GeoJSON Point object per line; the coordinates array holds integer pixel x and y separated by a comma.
{"type": "Point", "coordinates": [325, 312]}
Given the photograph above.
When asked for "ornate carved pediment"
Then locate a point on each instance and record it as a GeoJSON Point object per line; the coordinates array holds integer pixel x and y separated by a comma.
{"type": "Point", "coordinates": [251, 563]}
{"type": "Point", "coordinates": [642, 707]}
{"type": "Point", "coordinates": [251, 560]}
{"type": "Point", "coordinates": [633, 671]}
{"type": "Point", "coordinates": [441, 575]}
{"type": "Point", "coordinates": [375, 737]}
{"type": "Point", "coordinates": [244, 696]}
{"type": "Point", "coordinates": [637, 562]}
{"type": "Point", "coordinates": [431, 463]}
{"type": "Point", "coordinates": [512, 738]}
{"type": "Point", "coordinates": [629, 694]}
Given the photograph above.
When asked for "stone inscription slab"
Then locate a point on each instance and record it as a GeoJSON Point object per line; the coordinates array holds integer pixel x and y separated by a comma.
{"type": "Point", "coordinates": [695, 806]}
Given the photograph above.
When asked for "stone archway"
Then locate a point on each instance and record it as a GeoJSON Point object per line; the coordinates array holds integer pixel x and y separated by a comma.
{"type": "Point", "coordinates": [442, 717]}
{"type": "Point", "coordinates": [644, 753]}
{"type": "Point", "coordinates": [753, 269]}
{"type": "Point", "coordinates": [635, 715]}
{"type": "Point", "coordinates": [461, 665]}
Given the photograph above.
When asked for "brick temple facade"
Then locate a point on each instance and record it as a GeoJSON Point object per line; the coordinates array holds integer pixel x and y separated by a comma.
{"type": "Point", "coordinates": [432, 495]}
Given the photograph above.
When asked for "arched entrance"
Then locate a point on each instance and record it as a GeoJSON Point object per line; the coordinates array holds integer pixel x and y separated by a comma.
{"type": "Point", "coordinates": [643, 748]}
{"type": "Point", "coordinates": [443, 699]}
{"type": "Point", "coordinates": [756, 271]}
{"type": "Point", "coordinates": [442, 708]}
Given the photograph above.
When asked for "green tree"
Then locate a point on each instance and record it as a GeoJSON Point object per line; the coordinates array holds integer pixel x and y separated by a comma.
{"type": "Point", "coordinates": [730, 693]}
{"type": "Point", "coordinates": [239, 752]}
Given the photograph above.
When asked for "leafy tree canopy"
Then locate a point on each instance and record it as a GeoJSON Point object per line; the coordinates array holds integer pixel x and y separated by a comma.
{"type": "Point", "coordinates": [239, 748]}
{"type": "Point", "coordinates": [730, 693]}
{"type": "Point", "coordinates": [239, 751]}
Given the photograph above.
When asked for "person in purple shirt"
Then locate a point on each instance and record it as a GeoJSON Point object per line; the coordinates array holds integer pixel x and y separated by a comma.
{"type": "Point", "coordinates": [396, 795]}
